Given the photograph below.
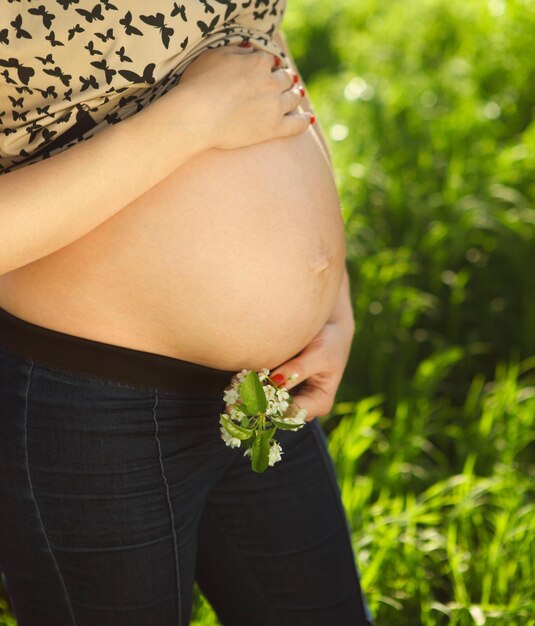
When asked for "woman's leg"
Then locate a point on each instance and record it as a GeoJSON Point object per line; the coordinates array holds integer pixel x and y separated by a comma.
{"type": "Point", "coordinates": [101, 489]}
{"type": "Point", "coordinates": [274, 548]}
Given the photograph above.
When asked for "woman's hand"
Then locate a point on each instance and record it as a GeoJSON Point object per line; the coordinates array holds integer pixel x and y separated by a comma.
{"type": "Point", "coordinates": [320, 366]}
{"type": "Point", "coordinates": [239, 97]}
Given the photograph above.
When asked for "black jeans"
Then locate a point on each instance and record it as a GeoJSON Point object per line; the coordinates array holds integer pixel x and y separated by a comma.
{"type": "Point", "coordinates": [115, 497]}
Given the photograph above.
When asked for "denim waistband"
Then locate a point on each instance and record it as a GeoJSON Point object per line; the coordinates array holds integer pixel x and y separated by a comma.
{"type": "Point", "coordinates": [117, 363]}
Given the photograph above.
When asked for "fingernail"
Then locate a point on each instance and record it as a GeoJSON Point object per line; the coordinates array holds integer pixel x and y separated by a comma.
{"type": "Point", "coordinates": [277, 61]}
{"type": "Point", "coordinates": [302, 90]}
{"type": "Point", "coordinates": [278, 379]}
{"type": "Point", "coordinates": [296, 78]}
{"type": "Point", "coordinates": [312, 119]}
{"type": "Point", "coordinates": [246, 44]}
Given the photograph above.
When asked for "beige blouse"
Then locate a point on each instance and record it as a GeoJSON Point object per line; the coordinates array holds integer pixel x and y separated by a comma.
{"type": "Point", "coordinates": [68, 68]}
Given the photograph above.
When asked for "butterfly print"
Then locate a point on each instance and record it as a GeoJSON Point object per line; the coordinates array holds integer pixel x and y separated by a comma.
{"type": "Point", "coordinates": [47, 17]}
{"type": "Point", "coordinates": [66, 3]}
{"type": "Point", "coordinates": [136, 78]}
{"type": "Point", "coordinates": [158, 21]}
{"type": "Point", "coordinates": [231, 7]}
{"type": "Point", "coordinates": [19, 115]}
{"type": "Point", "coordinates": [129, 29]}
{"type": "Point", "coordinates": [24, 73]}
{"type": "Point", "coordinates": [109, 6]}
{"type": "Point", "coordinates": [122, 56]}
{"type": "Point", "coordinates": [33, 130]}
{"type": "Point", "coordinates": [44, 111]}
{"type": "Point", "coordinates": [92, 50]}
{"type": "Point", "coordinates": [7, 77]}
{"type": "Point", "coordinates": [47, 136]}
{"type": "Point", "coordinates": [94, 14]}
{"type": "Point", "coordinates": [74, 30]}
{"type": "Point", "coordinates": [16, 102]}
{"type": "Point", "coordinates": [179, 10]}
{"type": "Point", "coordinates": [88, 82]}
{"type": "Point", "coordinates": [19, 31]}
{"type": "Point", "coordinates": [64, 60]}
{"type": "Point", "coordinates": [52, 38]}
{"type": "Point", "coordinates": [45, 60]}
{"type": "Point", "coordinates": [105, 37]}
{"type": "Point", "coordinates": [65, 78]}
{"type": "Point", "coordinates": [49, 91]}
{"type": "Point", "coordinates": [108, 71]}
{"type": "Point", "coordinates": [207, 8]}
{"type": "Point", "coordinates": [206, 30]}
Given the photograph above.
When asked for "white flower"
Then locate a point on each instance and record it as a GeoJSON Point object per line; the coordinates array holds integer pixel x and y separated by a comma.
{"type": "Point", "coordinates": [283, 406]}
{"type": "Point", "coordinates": [271, 410]}
{"type": "Point", "coordinates": [229, 440]}
{"type": "Point", "coordinates": [241, 375]}
{"type": "Point", "coordinates": [293, 420]}
{"type": "Point", "coordinates": [230, 397]}
{"type": "Point", "coordinates": [270, 392]}
{"type": "Point", "coordinates": [301, 414]}
{"type": "Point", "coordinates": [274, 452]}
{"type": "Point", "coordinates": [282, 394]}
{"type": "Point", "coordinates": [263, 374]}
{"type": "Point", "coordinates": [236, 413]}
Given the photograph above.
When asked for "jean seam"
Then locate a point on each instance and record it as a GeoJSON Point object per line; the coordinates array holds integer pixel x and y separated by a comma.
{"type": "Point", "coordinates": [27, 461]}
{"type": "Point", "coordinates": [337, 493]}
{"type": "Point", "coordinates": [171, 515]}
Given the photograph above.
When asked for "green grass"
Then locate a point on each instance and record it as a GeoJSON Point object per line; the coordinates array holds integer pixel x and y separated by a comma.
{"type": "Point", "coordinates": [428, 106]}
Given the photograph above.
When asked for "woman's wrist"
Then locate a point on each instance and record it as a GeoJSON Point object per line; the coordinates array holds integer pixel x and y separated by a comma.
{"type": "Point", "coordinates": [174, 118]}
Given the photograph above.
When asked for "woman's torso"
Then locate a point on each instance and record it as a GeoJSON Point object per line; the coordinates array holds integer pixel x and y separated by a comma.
{"type": "Point", "coordinates": [234, 260]}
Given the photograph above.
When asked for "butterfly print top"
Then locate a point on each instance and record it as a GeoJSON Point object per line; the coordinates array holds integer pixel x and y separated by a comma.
{"type": "Point", "coordinates": [68, 68]}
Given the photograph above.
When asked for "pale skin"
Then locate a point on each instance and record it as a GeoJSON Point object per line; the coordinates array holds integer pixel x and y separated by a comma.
{"type": "Point", "coordinates": [321, 363]}
{"type": "Point", "coordinates": [88, 162]}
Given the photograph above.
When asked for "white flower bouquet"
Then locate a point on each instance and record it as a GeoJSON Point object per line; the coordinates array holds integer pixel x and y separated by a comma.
{"type": "Point", "coordinates": [257, 406]}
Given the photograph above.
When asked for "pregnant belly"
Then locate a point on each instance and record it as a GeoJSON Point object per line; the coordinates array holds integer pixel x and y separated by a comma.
{"type": "Point", "coordinates": [235, 260]}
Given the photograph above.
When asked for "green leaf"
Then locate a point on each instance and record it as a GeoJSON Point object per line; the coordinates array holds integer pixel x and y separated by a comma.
{"type": "Point", "coordinates": [247, 443]}
{"type": "Point", "coordinates": [268, 434]}
{"type": "Point", "coordinates": [236, 431]}
{"type": "Point", "coordinates": [260, 454]}
{"type": "Point", "coordinates": [252, 393]}
{"type": "Point", "coordinates": [284, 425]}
{"type": "Point", "coordinates": [243, 409]}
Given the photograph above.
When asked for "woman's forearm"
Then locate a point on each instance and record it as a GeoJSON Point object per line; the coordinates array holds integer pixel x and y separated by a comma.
{"type": "Point", "coordinates": [51, 203]}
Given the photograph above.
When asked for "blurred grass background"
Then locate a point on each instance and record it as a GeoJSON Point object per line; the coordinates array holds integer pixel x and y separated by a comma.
{"type": "Point", "coordinates": [428, 109]}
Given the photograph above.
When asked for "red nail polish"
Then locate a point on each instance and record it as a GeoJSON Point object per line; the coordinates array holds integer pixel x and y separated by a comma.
{"type": "Point", "coordinates": [296, 78]}
{"type": "Point", "coordinates": [312, 119]}
{"type": "Point", "coordinates": [302, 91]}
{"type": "Point", "coordinates": [246, 44]}
{"type": "Point", "coordinates": [277, 379]}
{"type": "Point", "coordinates": [277, 61]}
